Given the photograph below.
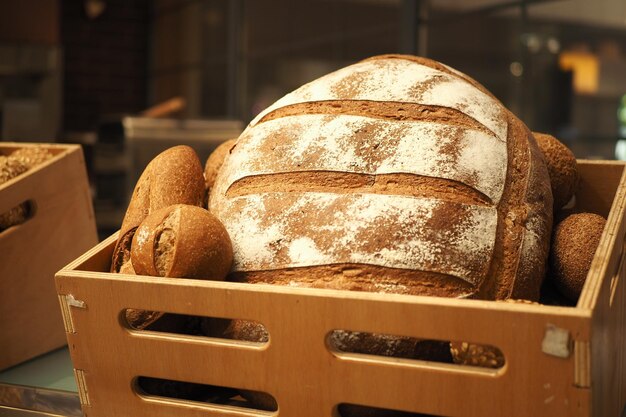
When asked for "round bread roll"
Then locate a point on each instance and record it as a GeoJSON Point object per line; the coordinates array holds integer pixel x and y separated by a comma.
{"type": "Point", "coordinates": [573, 247]}
{"type": "Point", "coordinates": [172, 177]}
{"type": "Point", "coordinates": [182, 241]}
{"type": "Point", "coordinates": [562, 168]}
{"type": "Point", "coordinates": [215, 162]}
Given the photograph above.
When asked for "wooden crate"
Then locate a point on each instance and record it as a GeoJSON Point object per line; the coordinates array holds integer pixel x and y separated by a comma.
{"type": "Point", "coordinates": [61, 228]}
{"type": "Point", "coordinates": [309, 379]}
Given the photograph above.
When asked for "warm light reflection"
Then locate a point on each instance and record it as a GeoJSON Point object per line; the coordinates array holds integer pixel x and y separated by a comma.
{"type": "Point", "coordinates": [586, 67]}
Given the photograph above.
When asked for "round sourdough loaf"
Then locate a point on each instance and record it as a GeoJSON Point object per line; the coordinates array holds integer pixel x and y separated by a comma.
{"type": "Point", "coordinates": [397, 174]}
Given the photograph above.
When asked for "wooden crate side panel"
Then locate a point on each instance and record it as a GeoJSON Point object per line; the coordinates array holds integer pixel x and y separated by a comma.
{"type": "Point", "coordinates": [608, 353]}
{"type": "Point", "coordinates": [297, 367]}
{"type": "Point", "coordinates": [608, 347]}
{"type": "Point", "coordinates": [609, 201]}
{"type": "Point", "coordinates": [63, 227]}
{"type": "Point", "coordinates": [603, 187]}
{"type": "Point", "coordinates": [599, 182]}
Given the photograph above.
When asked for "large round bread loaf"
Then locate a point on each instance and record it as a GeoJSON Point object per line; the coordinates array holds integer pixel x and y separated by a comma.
{"type": "Point", "coordinates": [397, 174]}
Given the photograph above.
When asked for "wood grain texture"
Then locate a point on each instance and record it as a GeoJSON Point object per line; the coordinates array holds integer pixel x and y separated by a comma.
{"type": "Point", "coordinates": [63, 227]}
{"type": "Point", "coordinates": [307, 379]}
{"type": "Point", "coordinates": [604, 292]}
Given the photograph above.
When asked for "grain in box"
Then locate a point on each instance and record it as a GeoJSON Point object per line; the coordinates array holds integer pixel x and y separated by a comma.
{"type": "Point", "coordinates": [560, 361]}
{"type": "Point", "coordinates": [59, 227]}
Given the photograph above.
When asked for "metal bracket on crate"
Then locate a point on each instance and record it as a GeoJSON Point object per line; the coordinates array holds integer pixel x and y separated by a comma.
{"type": "Point", "coordinates": [83, 394]}
{"type": "Point", "coordinates": [582, 364]}
{"type": "Point", "coordinates": [67, 301]}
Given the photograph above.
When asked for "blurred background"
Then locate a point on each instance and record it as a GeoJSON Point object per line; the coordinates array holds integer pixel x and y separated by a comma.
{"type": "Point", "coordinates": [127, 78]}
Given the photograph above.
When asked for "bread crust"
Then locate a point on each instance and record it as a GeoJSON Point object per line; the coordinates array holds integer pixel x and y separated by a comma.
{"type": "Point", "coordinates": [182, 241]}
{"type": "Point", "coordinates": [299, 144]}
{"type": "Point", "coordinates": [576, 240]}
{"type": "Point", "coordinates": [172, 177]}
{"type": "Point", "coordinates": [562, 168]}
{"type": "Point", "coordinates": [214, 163]}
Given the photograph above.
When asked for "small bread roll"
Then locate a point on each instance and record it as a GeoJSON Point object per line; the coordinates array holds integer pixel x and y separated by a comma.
{"type": "Point", "coordinates": [215, 161]}
{"type": "Point", "coordinates": [562, 168]}
{"type": "Point", "coordinates": [573, 247]}
{"type": "Point", "coordinates": [182, 241]}
{"type": "Point", "coordinates": [172, 177]}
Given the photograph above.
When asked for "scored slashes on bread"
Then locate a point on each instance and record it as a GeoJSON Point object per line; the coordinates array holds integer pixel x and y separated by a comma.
{"type": "Point", "coordinates": [397, 174]}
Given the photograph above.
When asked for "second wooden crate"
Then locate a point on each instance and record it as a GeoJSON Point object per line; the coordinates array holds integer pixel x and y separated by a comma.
{"type": "Point", "coordinates": [61, 227]}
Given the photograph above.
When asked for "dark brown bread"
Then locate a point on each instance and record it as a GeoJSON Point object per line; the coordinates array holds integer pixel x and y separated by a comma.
{"type": "Point", "coordinates": [172, 177]}
{"type": "Point", "coordinates": [562, 168]}
{"type": "Point", "coordinates": [182, 241]}
{"type": "Point", "coordinates": [10, 168]}
{"type": "Point", "coordinates": [574, 245]}
{"type": "Point", "coordinates": [215, 161]}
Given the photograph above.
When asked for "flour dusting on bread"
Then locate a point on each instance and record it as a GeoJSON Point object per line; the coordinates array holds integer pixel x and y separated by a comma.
{"type": "Point", "coordinates": [402, 81]}
{"type": "Point", "coordinates": [396, 174]}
